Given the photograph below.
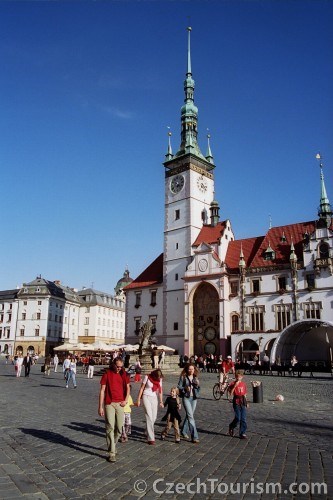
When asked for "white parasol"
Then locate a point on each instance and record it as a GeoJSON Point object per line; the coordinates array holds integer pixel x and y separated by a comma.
{"type": "Point", "coordinates": [165, 348]}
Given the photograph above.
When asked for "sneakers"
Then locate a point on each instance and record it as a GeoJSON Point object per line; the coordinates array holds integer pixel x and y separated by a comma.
{"type": "Point", "coordinates": [185, 436]}
{"type": "Point", "coordinates": [231, 432]}
{"type": "Point", "coordinates": [195, 441]}
{"type": "Point", "coordinates": [243, 436]}
{"type": "Point", "coordinates": [111, 457]}
{"type": "Point", "coordinates": [66, 386]}
{"type": "Point", "coordinates": [75, 386]}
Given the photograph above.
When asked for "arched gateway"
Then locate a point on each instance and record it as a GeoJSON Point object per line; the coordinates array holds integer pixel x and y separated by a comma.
{"type": "Point", "coordinates": [308, 340]}
{"type": "Point", "coordinates": [206, 332]}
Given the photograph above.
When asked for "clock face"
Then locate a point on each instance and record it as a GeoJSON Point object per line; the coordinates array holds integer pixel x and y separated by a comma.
{"type": "Point", "coordinates": [210, 333]}
{"type": "Point", "coordinates": [177, 183]}
{"type": "Point", "coordinates": [202, 184]}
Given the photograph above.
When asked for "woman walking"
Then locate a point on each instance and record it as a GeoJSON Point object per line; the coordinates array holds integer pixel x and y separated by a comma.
{"type": "Point", "coordinates": [189, 389]}
{"type": "Point", "coordinates": [150, 391]}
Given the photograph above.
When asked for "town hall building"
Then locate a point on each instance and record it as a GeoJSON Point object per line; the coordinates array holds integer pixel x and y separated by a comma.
{"type": "Point", "coordinates": [211, 293]}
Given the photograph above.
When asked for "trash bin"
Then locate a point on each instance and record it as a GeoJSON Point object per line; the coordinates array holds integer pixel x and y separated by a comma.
{"type": "Point", "coordinates": [257, 392]}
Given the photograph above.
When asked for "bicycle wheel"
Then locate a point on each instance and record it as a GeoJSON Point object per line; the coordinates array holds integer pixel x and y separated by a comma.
{"type": "Point", "coordinates": [216, 392]}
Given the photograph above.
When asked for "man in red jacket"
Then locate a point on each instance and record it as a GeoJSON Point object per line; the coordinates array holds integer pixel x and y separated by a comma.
{"type": "Point", "coordinates": [113, 396]}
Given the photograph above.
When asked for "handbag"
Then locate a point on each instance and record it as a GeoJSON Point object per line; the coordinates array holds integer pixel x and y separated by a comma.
{"type": "Point", "coordinates": [182, 391]}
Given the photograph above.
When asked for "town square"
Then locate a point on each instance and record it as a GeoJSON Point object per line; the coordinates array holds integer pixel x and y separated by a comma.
{"type": "Point", "coordinates": [166, 325]}
{"type": "Point", "coordinates": [53, 442]}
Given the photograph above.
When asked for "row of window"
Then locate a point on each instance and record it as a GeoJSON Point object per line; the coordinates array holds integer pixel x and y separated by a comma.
{"type": "Point", "coordinates": [103, 322]}
{"type": "Point", "coordinates": [4, 333]}
{"type": "Point", "coordinates": [106, 311]}
{"type": "Point", "coordinates": [2, 306]}
{"type": "Point", "coordinates": [281, 283]}
{"type": "Point", "coordinates": [153, 295]}
{"type": "Point", "coordinates": [106, 299]}
{"type": "Point", "coordinates": [2, 317]}
{"type": "Point", "coordinates": [105, 333]}
{"type": "Point", "coordinates": [283, 316]}
{"type": "Point", "coordinates": [36, 332]}
{"type": "Point", "coordinates": [153, 319]}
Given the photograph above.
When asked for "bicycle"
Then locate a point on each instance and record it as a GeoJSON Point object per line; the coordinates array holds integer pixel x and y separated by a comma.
{"type": "Point", "coordinates": [220, 389]}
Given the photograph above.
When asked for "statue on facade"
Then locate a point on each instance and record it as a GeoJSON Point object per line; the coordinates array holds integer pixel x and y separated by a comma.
{"type": "Point", "coordinates": [145, 336]}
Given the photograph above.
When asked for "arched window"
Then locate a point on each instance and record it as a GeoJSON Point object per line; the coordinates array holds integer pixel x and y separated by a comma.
{"type": "Point", "coordinates": [324, 251]}
{"type": "Point", "coordinates": [234, 323]}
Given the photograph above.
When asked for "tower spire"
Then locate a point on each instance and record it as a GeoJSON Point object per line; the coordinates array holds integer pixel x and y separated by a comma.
{"type": "Point", "coordinates": [324, 210]}
{"type": "Point", "coordinates": [189, 69]}
{"type": "Point", "coordinates": [209, 155]}
{"type": "Point", "coordinates": [189, 112]}
{"type": "Point", "coordinates": [169, 154]}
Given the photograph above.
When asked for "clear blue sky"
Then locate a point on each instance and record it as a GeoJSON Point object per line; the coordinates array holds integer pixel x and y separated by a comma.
{"type": "Point", "coordinates": [87, 91]}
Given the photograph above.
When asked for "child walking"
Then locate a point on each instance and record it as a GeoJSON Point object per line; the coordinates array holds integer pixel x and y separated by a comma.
{"type": "Point", "coordinates": [172, 416]}
{"type": "Point", "coordinates": [239, 402]}
{"type": "Point", "coordinates": [127, 426]}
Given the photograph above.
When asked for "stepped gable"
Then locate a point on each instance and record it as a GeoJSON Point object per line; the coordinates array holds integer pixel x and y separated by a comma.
{"type": "Point", "coordinates": [210, 234]}
{"type": "Point", "coordinates": [152, 275]}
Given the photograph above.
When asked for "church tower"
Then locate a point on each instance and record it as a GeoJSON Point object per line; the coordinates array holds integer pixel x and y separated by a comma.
{"type": "Point", "coordinates": [189, 191]}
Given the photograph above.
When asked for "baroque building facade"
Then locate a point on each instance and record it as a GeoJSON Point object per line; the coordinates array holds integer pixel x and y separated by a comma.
{"type": "Point", "coordinates": [43, 314]}
{"type": "Point", "coordinates": [210, 293]}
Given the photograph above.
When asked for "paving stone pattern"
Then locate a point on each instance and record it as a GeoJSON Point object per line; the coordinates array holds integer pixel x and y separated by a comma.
{"type": "Point", "coordinates": [53, 442]}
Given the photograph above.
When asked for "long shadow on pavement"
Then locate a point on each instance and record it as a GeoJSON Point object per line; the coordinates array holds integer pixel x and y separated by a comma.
{"type": "Point", "coordinates": [54, 437]}
{"type": "Point", "coordinates": [295, 423]}
{"type": "Point", "coordinates": [137, 433]}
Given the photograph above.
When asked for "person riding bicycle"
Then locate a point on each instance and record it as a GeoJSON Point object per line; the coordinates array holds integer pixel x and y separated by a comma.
{"type": "Point", "coordinates": [227, 366]}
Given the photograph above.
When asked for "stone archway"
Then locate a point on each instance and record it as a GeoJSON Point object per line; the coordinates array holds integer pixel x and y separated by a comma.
{"type": "Point", "coordinates": [269, 346]}
{"type": "Point", "coordinates": [206, 332]}
{"type": "Point", "coordinates": [308, 340]}
{"type": "Point", "coordinates": [246, 350]}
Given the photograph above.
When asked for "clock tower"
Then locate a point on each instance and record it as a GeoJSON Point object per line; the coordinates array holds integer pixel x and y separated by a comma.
{"type": "Point", "coordinates": [189, 191]}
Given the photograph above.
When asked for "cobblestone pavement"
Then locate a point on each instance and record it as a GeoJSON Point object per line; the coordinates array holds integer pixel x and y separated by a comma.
{"type": "Point", "coordinates": [53, 444]}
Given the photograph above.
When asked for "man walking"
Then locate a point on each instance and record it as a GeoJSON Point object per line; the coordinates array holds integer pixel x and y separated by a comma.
{"type": "Point", "coordinates": [113, 396]}
{"type": "Point", "coordinates": [27, 362]}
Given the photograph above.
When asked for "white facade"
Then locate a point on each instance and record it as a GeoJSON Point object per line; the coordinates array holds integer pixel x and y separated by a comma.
{"type": "Point", "coordinates": [102, 317]}
{"type": "Point", "coordinates": [222, 295]}
{"type": "Point", "coordinates": [43, 314]}
{"type": "Point", "coordinates": [8, 315]}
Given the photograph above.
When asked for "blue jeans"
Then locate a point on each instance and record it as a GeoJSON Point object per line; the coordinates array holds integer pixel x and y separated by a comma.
{"type": "Point", "coordinates": [70, 375]}
{"type": "Point", "coordinates": [240, 416]}
{"type": "Point", "coordinates": [189, 422]}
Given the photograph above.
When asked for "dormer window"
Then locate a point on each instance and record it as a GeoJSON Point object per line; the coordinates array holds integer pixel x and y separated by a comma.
{"type": "Point", "coordinates": [283, 238]}
{"type": "Point", "coordinates": [269, 254]}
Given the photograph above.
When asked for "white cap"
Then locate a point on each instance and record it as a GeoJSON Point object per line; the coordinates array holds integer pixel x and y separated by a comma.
{"type": "Point", "coordinates": [229, 357]}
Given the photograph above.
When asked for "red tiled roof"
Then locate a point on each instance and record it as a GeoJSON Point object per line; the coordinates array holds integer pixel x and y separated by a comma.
{"type": "Point", "coordinates": [254, 248]}
{"type": "Point", "coordinates": [210, 234]}
{"type": "Point", "coordinates": [249, 247]}
{"type": "Point", "coordinates": [152, 275]}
